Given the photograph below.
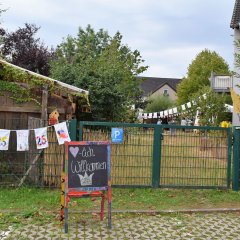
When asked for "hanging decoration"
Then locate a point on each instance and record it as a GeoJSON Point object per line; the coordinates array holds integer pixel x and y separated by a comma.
{"type": "Point", "coordinates": [155, 115]}
{"type": "Point", "coordinates": [41, 137]}
{"type": "Point", "coordinates": [183, 107]}
{"type": "Point", "coordinates": [177, 110]}
{"type": "Point", "coordinates": [189, 105]}
{"type": "Point", "coordinates": [4, 139]}
{"type": "Point", "coordinates": [22, 140]}
{"type": "Point", "coordinates": [53, 117]}
{"type": "Point", "coordinates": [62, 133]}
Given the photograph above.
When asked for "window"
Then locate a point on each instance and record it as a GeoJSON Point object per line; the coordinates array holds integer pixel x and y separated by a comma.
{"type": "Point", "coordinates": [165, 92]}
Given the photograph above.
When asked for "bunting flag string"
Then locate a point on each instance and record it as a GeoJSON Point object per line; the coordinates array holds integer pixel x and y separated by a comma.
{"type": "Point", "coordinates": [177, 110]}
{"type": "Point", "coordinates": [40, 135]}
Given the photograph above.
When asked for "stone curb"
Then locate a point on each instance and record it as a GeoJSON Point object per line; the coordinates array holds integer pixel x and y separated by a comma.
{"type": "Point", "coordinates": [210, 210]}
{"type": "Point", "coordinates": [202, 210]}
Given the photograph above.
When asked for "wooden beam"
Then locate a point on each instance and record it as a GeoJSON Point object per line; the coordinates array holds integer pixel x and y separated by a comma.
{"type": "Point", "coordinates": [44, 115]}
{"type": "Point", "coordinates": [20, 109]}
{"type": "Point", "coordinates": [29, 109]}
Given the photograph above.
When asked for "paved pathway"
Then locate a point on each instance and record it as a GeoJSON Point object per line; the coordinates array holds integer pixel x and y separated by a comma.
{"type": "Point", "coordinates": [224, 226]}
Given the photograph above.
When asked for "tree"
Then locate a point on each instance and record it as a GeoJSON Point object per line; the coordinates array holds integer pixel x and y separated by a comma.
{"type": "Point", "coordinates": [159, 103]}
{"type": "Point", "coordinates": [23, 49]}
{"type": "Point", "coordinates": [199, 72]}
{"type": "Point", "coordinates": [211, 106]}
{"type": "Point", "coordinates": [103, 65]}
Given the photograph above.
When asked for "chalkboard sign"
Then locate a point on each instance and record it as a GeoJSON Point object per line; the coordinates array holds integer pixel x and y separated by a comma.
{"type": "Point", "coordinates": [87, 165]}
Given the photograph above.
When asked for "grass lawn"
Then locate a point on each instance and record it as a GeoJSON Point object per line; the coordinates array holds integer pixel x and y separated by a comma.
{"type": "Point", "coordinates": [44, 204]}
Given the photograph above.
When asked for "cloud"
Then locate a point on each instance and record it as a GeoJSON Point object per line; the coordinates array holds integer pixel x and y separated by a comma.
{"type": "Point", "coordinates": [171, 62]}
{"type": "Point", "coordinates": [168, 34]}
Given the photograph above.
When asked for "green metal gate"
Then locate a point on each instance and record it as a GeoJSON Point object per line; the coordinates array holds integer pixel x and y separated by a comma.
{"type": "Point", "coordinates": [166, 155]}
{"type": "Point", "coordinates": [195, 157]}
{"type": "Point", "coordinates": [236, 159]}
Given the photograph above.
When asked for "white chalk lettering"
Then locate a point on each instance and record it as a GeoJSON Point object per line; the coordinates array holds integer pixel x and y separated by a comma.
{"type": "Point", "coordinates": [87, 152]}
{"type": "Point", "coordinates": [84, 166]}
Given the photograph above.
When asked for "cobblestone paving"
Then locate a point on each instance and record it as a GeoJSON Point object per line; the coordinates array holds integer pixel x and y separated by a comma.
{"type": "Point", "coordinates": [172, 226]}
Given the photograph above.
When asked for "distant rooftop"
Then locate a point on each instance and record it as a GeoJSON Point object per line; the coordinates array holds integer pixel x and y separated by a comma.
{"type": "Point", "coordinates": [152, 84]}
{"type": "Point", "coordinates": [236, 15]}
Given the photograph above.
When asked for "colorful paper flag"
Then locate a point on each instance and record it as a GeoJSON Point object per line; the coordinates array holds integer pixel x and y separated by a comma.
{"type": "Point", "coordinates": [4, 139]}
{"type": "Point", "coordinates": [22, 140]}
{"type": "Point", "coordinates": [62, 133]}
{"type": "Point", "coordinates": [41, 137]}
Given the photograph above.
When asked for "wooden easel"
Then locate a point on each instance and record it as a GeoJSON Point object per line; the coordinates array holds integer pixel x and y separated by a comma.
{"type": "Point", "coordinates": [96, 178]}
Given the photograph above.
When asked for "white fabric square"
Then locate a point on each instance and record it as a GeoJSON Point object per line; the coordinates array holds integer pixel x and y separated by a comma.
{"type": "Point", "coordinates": [22, 140]}
{"type": "Point", "coordinates": [41, 137]}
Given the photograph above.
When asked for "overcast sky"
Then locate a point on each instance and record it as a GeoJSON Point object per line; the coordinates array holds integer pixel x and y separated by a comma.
{"type": "Point", "coordinates": [168, 33]}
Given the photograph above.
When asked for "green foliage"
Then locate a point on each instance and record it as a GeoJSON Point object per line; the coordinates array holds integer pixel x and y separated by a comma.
{"type": "Point", "coordinates": [237, 55]}
{"type": "Point", "coordinates": [25, 50]}
{"type": "Point", "coordinates": [24, 87]}
{"type": "Point", "coordinates": [19, 94]}
{"type": "Point", "coordinates": [199, 72]}
{"type": "Point", "coordinates": [20, 84]}
{"type": "Point", "coordinates": [212, 108]}
{"type": "Point", "coordinates": [159, 103]}
{"type": "Point", "coordinates": [103, 65]}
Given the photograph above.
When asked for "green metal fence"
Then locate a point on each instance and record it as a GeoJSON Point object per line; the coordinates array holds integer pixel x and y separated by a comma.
{"type": "Point", "coordinates": [131, 161]}
{"type": "Point", "coordinates": [236, 159]}
{"type": "Point", "coordinates": [199, 158]}
{"type": "Point", "coordinates": [150, 155]}
{"type": "Point", "coordinates": [166, 155]}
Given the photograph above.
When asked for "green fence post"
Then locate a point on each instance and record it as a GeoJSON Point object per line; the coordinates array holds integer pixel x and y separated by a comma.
{"type": "Point", "coordinates": [229, 133]}
{"type": "Point", "coordinates": [80, 137]}
{"type": "Point", "coordinates": [156, 156]}
{"type": "Point", "coordinates": [73, 129]}
{"type": "Point", "coordinates": [236, 157]}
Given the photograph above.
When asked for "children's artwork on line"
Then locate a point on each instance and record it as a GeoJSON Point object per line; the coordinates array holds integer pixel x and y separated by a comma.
{"type": "Point", "coordinates": [22, 140]}
{"type": "Point", "coordinates": [41, 137]}
{"type": "Point", "coordinates": [62, 133]}
{"type": "Point", "coordinates": [4, 139]}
